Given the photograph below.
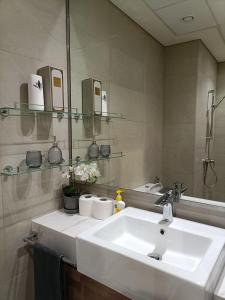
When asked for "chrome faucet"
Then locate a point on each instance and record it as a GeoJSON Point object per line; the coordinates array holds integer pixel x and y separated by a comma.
{"type": "Point", "coordinates": [167, 203]}
{"type": "Point", "coordinates": [168, 200]}
{"type": "Point", "coordinates": [177, 191]}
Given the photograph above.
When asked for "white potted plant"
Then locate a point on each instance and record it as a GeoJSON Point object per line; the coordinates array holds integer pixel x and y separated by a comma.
{"type": "Point", "coordinates": [81, 173]}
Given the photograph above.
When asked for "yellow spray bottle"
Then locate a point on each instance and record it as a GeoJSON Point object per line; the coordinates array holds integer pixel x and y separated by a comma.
{"type": "Point", "coordinates": [119, 203]}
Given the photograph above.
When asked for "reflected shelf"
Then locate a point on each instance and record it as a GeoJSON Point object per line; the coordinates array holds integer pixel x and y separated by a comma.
{"type": "Point", "coordinates": [112, 156]}
{"type": "Point", "coordinates": [14, 171]}
{"type": "Point", "coordinates": [108, 116]}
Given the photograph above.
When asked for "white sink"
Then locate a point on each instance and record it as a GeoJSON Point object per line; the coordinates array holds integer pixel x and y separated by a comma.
{"type": "Point", "coordinates": [120, 253]}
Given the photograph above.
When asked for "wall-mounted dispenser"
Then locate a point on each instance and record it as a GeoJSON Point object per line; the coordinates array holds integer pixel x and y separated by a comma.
{"type": "Point", "coordinates": [35, 93]}
{"type": "Point", "coordinates": [104, 104]}
{"type": "Point", "coordinates": [53, 88]}
{"type": "Point", "coordinates": [92, 96]}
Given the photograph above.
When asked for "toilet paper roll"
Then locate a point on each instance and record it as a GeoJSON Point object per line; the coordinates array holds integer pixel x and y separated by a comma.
{"type": "Point", "coordinates": [85, 204]}
{"type": "Point", "coordinates": [102, 208]}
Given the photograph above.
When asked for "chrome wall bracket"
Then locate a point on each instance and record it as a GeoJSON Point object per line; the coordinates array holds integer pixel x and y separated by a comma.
{"type": "Point", "coordinates": [4, 112]}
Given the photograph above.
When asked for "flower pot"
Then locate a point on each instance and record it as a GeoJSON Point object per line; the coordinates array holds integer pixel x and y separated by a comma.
{"type": "Point", "coordinates": [70, 200]}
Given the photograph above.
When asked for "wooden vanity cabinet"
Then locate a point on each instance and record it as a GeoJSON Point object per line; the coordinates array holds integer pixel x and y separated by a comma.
{"type": "Point", "coordinates": [81, 287]}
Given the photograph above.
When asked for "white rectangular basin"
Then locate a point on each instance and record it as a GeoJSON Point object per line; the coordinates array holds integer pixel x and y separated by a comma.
{"type": "Point", "coordinates": [133, 253]}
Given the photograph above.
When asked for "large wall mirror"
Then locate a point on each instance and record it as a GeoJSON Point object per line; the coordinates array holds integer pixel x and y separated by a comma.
{"type": "Point", "coordinates": [159, 66]}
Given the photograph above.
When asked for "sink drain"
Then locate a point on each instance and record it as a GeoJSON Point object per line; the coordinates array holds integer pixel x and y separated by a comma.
{"type": "Point", "coordinates": [155, 256]}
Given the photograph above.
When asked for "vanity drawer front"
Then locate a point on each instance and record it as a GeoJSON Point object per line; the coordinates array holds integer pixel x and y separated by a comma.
{"type": "Point", "coordinates": [81, 287]}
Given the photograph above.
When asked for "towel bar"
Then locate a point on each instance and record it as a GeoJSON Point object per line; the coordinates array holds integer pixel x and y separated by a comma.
{"type": "Point", "coordinates": [33, 238]}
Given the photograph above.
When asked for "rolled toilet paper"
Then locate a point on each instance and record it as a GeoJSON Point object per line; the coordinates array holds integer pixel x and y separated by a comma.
{"type": "Point", "coordinates": [85, 204]}
{"type": "Point", "coordinates": [102, 208]}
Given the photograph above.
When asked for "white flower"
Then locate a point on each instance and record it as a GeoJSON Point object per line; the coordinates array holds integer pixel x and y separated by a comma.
{"type": "Point", "coordinates": [87, 172]}
{"type": "Point", "coordinates": [65, 175]}
{"type": "Point", "coordinates": [84, 177]}
{"type": "Point", "coordinates": [70, 169]}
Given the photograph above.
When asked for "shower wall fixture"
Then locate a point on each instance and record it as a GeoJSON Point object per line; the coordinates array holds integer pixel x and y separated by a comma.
{"type": "Point", "coordinates": [208, 162]}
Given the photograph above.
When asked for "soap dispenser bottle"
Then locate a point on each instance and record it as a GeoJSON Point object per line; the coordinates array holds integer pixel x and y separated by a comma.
{"type": "Point", "coordinates": [55, 154]}
{"type": "Point", "coordinates": [93, 150]}
{"type": "Point", "coordinates": [119, 203]}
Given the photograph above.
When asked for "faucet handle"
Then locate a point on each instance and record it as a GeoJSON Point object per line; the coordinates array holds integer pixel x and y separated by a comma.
{"type": "Point", "coordinates": [168, 195]}
{"type": "Point", "coordinates": [179, 186]}
{"type": "Point", "coordinates": [164, 199]}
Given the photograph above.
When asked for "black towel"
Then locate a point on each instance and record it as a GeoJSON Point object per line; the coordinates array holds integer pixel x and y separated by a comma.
{"type": "Point", "coordinates": [48, 274]}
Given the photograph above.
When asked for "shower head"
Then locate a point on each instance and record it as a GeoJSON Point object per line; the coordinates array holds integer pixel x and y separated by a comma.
{"type": "Point", "coordinates": [211, 92]}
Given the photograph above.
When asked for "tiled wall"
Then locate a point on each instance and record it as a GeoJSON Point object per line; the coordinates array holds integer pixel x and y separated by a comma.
{"type": "Point", "coordinates": [32, 35]}
{"type": "Point", "coordinates": [106, 45]}
{"type": "Point", "coordinates": [191, 71]}
{"type": "Point", "coordinates": [206, 81]}
{"type": "Point", "coordinates": [219, 136]}
{"type": "Point", "coordinates": [109, 46]}
{"type": "Point", "coordinates": [181, 65]}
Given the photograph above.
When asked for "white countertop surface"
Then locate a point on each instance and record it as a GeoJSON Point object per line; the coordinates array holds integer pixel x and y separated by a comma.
{"type": "Point", "coordinates": [70, 225]}
{"type": "Point", "coordinates": [58, 230]}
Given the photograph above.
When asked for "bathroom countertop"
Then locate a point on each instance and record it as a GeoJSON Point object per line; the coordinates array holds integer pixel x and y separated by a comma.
{"type": "Point", "coordinates": [58, 230]}
{"type": "Point", "coordinates": [70, 224]}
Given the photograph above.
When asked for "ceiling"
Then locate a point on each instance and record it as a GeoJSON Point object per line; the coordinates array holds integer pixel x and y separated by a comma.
{"type": "Point", "coordinates": [163, 20]}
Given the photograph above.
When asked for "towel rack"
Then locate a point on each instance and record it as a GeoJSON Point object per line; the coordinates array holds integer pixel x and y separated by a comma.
{"type": "Point", "coordinates": [33, 238]}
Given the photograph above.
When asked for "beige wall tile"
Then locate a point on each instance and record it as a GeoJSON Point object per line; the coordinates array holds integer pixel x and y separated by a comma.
{"type": "Point", "coordinates": [181, 59]}
{"type": "Point", "coordinates": [190, 72]}
{"type": "Point", "coordinates": [207, 76]}
{"type": "Point", "coordinates": [91, 18]}
{"type": "Point", "coordinates": [16, 257]}
{"type": "Point", "coordinates": [125, 70]}
{"type": "Point", "coordinates": [128, 102]}
{"type": "Point", "coordinates": [1, 205]}
{"type": "Point", "coordinates": [180, 98]}
{"type": "Point", "coordinates": [18, 287]}
{"type": "Point", "coordinates": [43, 32]}
{"type": "Point", "coordinates": [130, 64]}
{"type": "Point", "coordinates": [29, 195]}
{"type": "Point", "coordinates": [220, 112]}
{"type": "Point", "coordinates": [93, 60]}
{"type": "Point", "coordinates": [181, 72]}
{"type": "Point", "coordinates": [33, 35]}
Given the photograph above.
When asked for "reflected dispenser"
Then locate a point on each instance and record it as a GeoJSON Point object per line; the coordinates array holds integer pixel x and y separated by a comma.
{"type": "Point", "coordinates": [104, 104]}
{"type": "Point", "coordinates": [92, 97]}
{"type": "Point", "coordinates": [53, 88]}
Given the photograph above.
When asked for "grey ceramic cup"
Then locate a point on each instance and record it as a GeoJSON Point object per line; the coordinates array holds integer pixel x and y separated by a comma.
{"type": "Point", "coordinates": [33, 159]}
{"type": "Point", "coordinates": [105, 150]}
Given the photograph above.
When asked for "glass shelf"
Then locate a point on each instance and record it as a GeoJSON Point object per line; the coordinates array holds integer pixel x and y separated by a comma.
{"type": "Point", "coordinates": [11, 171]}
{"type": "Point", "coordinates": [24, 110]}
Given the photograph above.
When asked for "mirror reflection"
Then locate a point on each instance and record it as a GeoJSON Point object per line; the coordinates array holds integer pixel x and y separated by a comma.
{"type": "Point", "coordinates": [149, 79]}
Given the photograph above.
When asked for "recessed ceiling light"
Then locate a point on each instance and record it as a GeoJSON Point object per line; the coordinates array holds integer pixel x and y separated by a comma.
{"type": "Point", "coordinates": [187, 19]}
